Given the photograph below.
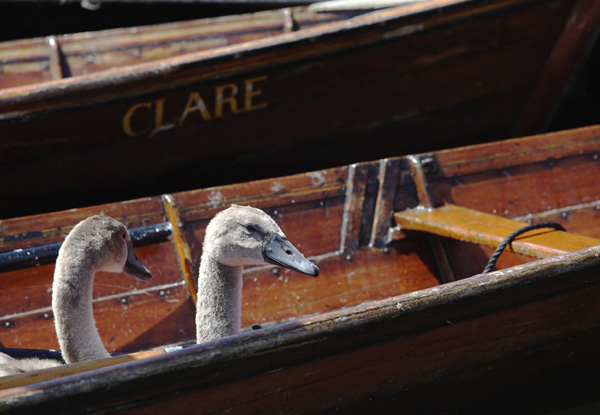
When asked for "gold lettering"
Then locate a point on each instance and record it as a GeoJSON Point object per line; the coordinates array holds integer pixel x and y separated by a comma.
{"type": "Point", "coordinates": [195, 103]}
{"type": "Point", "coordinates": [229, 100]}
{"type": "Point", "coordinates": [127, 120]}
{"type": "Point", "coordinates": [225, 96]}
{"type": "Point", "coordinates": [251, 93]}
{"type": "Point", "coordinates": [159, 111]}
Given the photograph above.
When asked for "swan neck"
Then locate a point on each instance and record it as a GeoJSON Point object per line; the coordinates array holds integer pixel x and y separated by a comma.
{"type": "Point", "coordinates": [218, 309]}
{"type": "Point", "coordinates": [73, 311]}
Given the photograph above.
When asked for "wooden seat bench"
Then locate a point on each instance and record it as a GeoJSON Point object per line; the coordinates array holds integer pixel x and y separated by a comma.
{"type": "Point", "coordinates": [469, 225]}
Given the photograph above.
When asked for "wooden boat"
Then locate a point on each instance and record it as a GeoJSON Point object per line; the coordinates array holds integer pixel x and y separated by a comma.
{"type": "Point", "coordinates": [234, 99]}
{"type": "Point", "coordinates": [399, 317]}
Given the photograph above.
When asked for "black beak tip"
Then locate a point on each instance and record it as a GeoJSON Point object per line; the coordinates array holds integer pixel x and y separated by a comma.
{"type": "Point", "coordinates": [315, 271]}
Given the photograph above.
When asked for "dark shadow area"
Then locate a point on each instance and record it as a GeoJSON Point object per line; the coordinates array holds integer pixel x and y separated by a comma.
{"type": "Point", "coordinates": [43, 18]}
{"type": "Point", "coordinates": [581, 105]}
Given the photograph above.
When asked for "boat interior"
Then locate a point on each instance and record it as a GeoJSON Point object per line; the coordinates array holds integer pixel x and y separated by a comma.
{"type": "Point", "coordinates": [375, 229]}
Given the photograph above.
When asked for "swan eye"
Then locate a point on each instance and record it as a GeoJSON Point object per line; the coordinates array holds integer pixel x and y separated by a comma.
{"type": "Point", "coordinates": [124, 235]}
{"type": "Point", "coordinates": [250, 228]}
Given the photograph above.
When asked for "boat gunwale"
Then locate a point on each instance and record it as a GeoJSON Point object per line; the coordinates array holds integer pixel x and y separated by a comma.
{"type": "Point", "coordinates": [491, 156]}
{"type": "Point", "coordinates": [171, 66]}
{"type": "Point", "coordinates": [71, 44]}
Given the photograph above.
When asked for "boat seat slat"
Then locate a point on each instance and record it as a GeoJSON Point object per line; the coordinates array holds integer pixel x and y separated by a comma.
{"type": "Point", "coordinates": [469, 225]}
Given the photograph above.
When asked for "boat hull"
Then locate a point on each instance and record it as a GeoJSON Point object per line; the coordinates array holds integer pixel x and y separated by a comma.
{"type": "Point", "coordinates": [397, 81]}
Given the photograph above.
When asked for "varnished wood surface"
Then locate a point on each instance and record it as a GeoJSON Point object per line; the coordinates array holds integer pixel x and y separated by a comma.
{"type": "Point", "coordinates": [468, 225]}
{"type": "Point", "coordinates": [467, 70]}
{"type": "Point", "coordinates": [29, 61]}
{"type": "Point", "coordinates": [377, 328]}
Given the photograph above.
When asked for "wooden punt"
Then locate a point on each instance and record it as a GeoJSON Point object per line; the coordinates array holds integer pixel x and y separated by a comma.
{"type": "Point", "coordinates": [400, 317]}
{"type": "Point", "coordinates": [209, 102]}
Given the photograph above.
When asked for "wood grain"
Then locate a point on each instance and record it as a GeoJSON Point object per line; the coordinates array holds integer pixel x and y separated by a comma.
{"type": "Point", "coordinates": [476, 227]}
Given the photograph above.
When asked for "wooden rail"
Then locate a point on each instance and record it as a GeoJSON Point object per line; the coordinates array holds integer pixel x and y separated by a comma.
{"type": "Point", "coordinates": [469, 225]}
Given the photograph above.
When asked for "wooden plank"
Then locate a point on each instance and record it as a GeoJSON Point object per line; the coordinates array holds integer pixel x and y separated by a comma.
{"type": "Point", "coordinates": [578, 218]}
{"type": "Point", "coordinates": [472, 226]}
{"type": "Point", "coordinates": [307, 188]}
{"type": "Point", "coordinates": [388, 181]}
{"type": "Point", "coordinates": [353, 207]}
{"type": "Point", "coordinates": [516, 152]}
{"type": "Point", "coordinates": [349, 279]}
{"type": "Point", "coordinates": [528, 188]}
{"type": "Point", "coordinates": [187, 268]}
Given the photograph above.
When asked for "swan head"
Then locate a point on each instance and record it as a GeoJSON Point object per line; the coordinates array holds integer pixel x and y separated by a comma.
{"type": "Point", "coordinates": [107, 243]}
{"type": "Point", "coordinates": [243, 235]}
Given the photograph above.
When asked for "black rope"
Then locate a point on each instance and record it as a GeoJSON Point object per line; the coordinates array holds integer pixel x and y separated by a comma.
{"type": "Point", "coordinates": [512, 236]}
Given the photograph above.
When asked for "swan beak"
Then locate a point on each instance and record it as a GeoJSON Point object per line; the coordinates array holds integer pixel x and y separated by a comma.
{"type": "Point", "coordinates": [134, 267]}
{"type": "Point", "coordinates": [280, 251]}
